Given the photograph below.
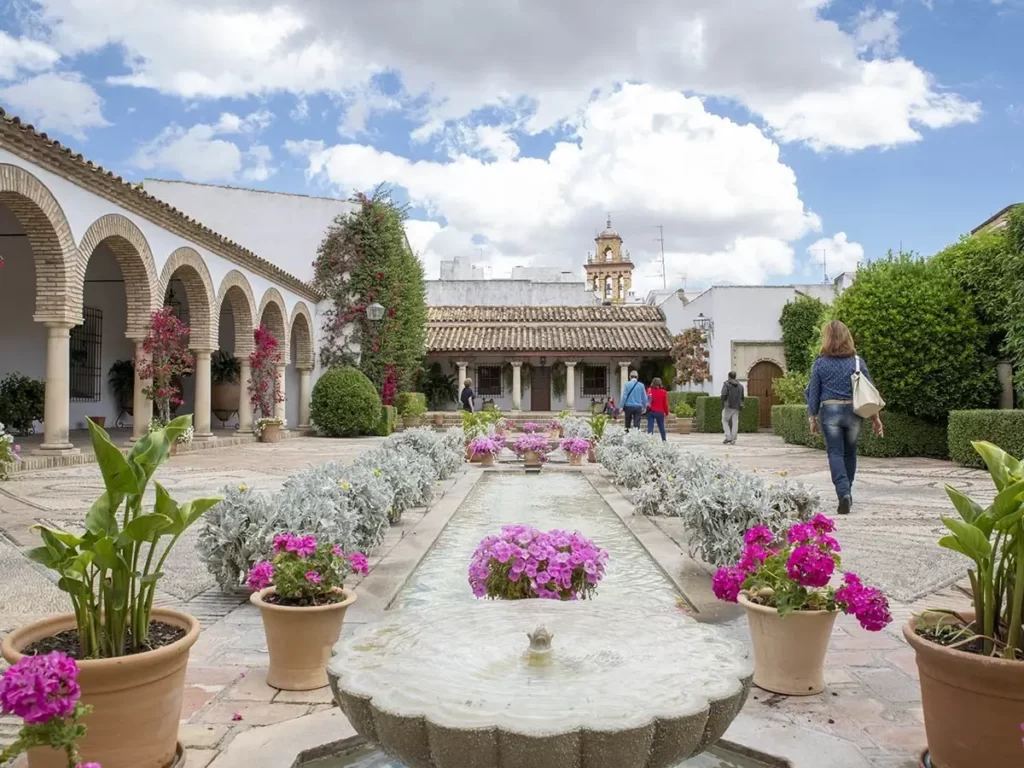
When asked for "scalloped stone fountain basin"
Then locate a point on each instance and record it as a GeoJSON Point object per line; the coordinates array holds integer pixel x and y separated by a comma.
{"type": "Point", "coordinates": [457, 686]}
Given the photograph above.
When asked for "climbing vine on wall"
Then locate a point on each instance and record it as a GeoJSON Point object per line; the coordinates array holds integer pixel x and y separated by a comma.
{"type": "Point", "coordinates": [364, 259]}
{"type": "Point", "coordinates": [800, 321]}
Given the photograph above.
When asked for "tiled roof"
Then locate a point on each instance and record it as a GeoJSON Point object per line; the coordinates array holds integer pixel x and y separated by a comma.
{"type": "Point", "coordinates": [24, 140]}
{"type": "Point", "coordinates": [626, 329]}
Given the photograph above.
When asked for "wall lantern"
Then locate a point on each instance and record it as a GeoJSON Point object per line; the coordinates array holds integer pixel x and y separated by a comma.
{"type": "Point", "coordinates": [375, 312]}
{"type": "Point", "coordinates": [705, 324]}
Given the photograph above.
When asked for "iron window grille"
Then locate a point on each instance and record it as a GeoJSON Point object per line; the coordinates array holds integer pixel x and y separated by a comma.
{"type": "Point", "coordinates": [594, 381]}
{"type": "Point", "coordinates": [86, 365]}
{"type": "Point", "coordinates": [489, 383]}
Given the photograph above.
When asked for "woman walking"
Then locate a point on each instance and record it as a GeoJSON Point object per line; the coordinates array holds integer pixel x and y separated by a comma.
{"type": "Point", "coordinates": [657, 407]}
{"type": "Point", "coordinates": [830, 401]}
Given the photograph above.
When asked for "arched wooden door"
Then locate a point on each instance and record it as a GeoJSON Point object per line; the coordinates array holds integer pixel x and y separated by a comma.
{"type": "Point", "coordinates": [760, 384]}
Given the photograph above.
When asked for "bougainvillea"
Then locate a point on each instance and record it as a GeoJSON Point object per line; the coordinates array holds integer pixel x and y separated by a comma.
{"type": "Point", "coordinates": [167, 359]}
{"type": "Point", "coordinates": [390, 387]}
{"type": "Point", "coordinates": [690, 357]}
{"type": "Point", "coordinates": [264, 381]}
{"type": "Point", "coordinates": [365, 259]}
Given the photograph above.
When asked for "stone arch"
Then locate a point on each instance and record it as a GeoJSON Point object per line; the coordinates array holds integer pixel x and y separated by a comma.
{"type": "Point", "coordinates": [58, 294]}
{"type": "Point", "coordinates": [301, 325]}
{"type": "Point", "coordinates": [235, 290]}
{"type": "Point", "coordinates": [766, 359]}
{"type": "Point", "coordinates": [272, 314]}
{"type": "Point", "coordinates": [188, 266]}
{"type": "Point", "coordinates": [135, 258]}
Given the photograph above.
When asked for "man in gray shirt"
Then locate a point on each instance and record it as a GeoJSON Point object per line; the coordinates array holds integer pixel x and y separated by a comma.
{"type": "Point", "coordinates": [732, 404]}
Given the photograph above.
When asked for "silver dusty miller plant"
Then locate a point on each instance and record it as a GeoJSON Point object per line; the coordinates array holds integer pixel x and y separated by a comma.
{"type": "Point", "coordinates": [574, 426]}
{"type": "Point", "coordinates": [409, 474]}
{"type": "Point", "coordinates": [236, 533]}
{"type": "Point", "coordinates": [445, 450]}
{"type": "Point", "coordinates": [370, 498]}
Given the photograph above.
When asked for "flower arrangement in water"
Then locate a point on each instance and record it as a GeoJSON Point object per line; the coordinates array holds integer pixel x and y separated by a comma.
{"type": "Point", "coordinates": [486, 446]}
{"type": "Point", "coordinates": [531, 428]}
{"type": "Point", "coordinates": [794, 575]}
{"type": "Point", "coordinates": [43, 691]}
{"type": "Point", "coordinates": [531, 443]}
{"type": "Point", "coordinates": [305, 573]}
{"type": "Point", "coordinates": [554, 425]}
{"type": "Point", "coordinates": [575, 446]}
{"type": "Point", "coordinates": [523, 562]}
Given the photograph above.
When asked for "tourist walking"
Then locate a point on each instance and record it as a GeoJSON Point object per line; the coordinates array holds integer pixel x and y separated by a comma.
{"type": "Point", "coordinates": [830, 402]}
{"type": "Point", "coordinates": [468, 396]}
{"type": "Point", "coordinates": [657, 407]}
{"type": "Point", "coordinates": [634, 400]}
{"type": "Point", "coordinates": [732, 404]}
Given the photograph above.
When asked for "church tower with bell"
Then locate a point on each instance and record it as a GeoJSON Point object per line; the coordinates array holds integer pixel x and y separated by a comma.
{"type": "Point", "coordinates": [609, 269]}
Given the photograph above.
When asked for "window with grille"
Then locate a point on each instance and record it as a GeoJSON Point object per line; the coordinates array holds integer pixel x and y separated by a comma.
{"type": "Point", "coordinates": [86, 369]}
{"type": "Point", "coordinates": [488, 381]}
{"type": "Point", "coordinates": [594, 381]}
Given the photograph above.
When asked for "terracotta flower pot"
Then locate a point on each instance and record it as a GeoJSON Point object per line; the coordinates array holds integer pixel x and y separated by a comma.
{"type": "Point", "coordinates": [299, 640]}
{"type": "Point", "coordinates": [136, 699]}
{"type": "Point", "coordinates": [973, 705]}
{"type": "Point", "coordinates": [684, 426]}
{"type": "Point", "coordinates": [532, 458]}
{"type": "Point", "coordinates": [412, 421]}
{"type": "Point", "coordinates": [271, 434]}
{"type": "Point", "coordinates": [592, 456]}
{"type": "Point", "coordinates": [438, 419]}
{"type": "Point", "coordinates": [789, 652]}
{"type": "Point", "coordinates": [487, 460]}
{"type": "Point", "coordinates": [575, 459]}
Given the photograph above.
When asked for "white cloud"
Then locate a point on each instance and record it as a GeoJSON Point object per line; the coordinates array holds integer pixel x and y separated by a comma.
{"type": "Point", "coordinates": [805, 75]}
{"type": "Point", "coordinates": [20, 54]}
{"type": "Point", "coordinates": [729, 206]}
{"type": "Point", "coordinates": [836, 253]}
{"type": "Point", "coordinates": [57, 101]}
{"type": "Point", "coordinates": [259, 155]}
{"type": "Point", "coordinates": [300, 111]}
{"type": "Point", "coordinates": [254, 122]}
{"type": "Point", "coordinates": [198, 155]}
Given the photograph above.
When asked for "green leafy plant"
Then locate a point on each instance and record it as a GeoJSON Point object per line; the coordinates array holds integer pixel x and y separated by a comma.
{"type": "Point", "coordinates": [225, 368]}
{"type": "Point", "coordinates": [345, 403]}
{"type": "Point", "coordinates": [473, 425]}
{"type": "Point", "coordinates": [597, 423]}
{"type": "Point", "coordinates": [791, 389]}
{"type": "Point", "coordinates": [414, 407]}
{"type": "Point", "coordinates": [121, 378]}
{"type": "Point", "coordinates": [22, 402]}
{"type": "Point", "coordinates": [440, 388]}
{"type": "Point", "coordinates": [800, 321]}
{"type": "Point", "coordinates": [993, 538]}
{"type": "Point", "coordinates": [111, 571]}
{"type": "Point", "coordinates": [684, 410]}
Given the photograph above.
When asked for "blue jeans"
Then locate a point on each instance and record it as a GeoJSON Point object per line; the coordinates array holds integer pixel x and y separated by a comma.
{"type": "Point", "coordinates": [658, 418]}
{"type": "Point", "coordinates": [840, 427]}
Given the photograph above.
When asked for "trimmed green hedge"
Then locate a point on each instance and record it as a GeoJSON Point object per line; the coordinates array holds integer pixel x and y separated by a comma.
{"type": "Point", "coordinates": [402, 399]}
{"type": "Point", "coordinates": [345, 404]}
{"type": "Point", "coordinates": [388, 420]}
{"type": "Point", "coordinates": [904, 435]}
{"type": "Point", "coordinates": [709, 414]}
{"type": "Point", "coordinates": [1002, 428]}
{"type": "Point", "coordinates": [690, 398]}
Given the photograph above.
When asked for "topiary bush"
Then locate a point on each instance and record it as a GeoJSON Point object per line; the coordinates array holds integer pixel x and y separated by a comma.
{"type": "Point", "coordinates": [904, 435]}
{"type": "Point", "coordinates": [709, 414]}
{"type": "Point", "coordinates": [799, 320]}
{"type": "Point", "coordinates": [1002, 428]}
{"type": "Point", "coordinates": [345, 404]}
{"type": "Point", "coordinates": [690, 398]}
{"type": "Point", "coordinates": [388, 420]}
{"type": "Point", "coordinates": [411, 403]}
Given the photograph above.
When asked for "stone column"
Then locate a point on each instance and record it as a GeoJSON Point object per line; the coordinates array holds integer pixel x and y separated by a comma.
{"type": "Point", "coordinates": [304, 395]}
{"type": "Point", "coordinates": [1004, 370]}
{"type": "Point", "coordinates": [57, 410]}
{"type": "Point", "coordinates": [517, 386]}
{"type": "Point", "coordinates": [279, 408]}
{"type": "Point", "coordinates": [244, 404]}
{"type": "Point", "coordinates": [570, 386]}
{"type": "Point", "coordinates": [201, 417]}
{"type": "Point", "coordinates": [462, 374]}
{"type": "Point", "coordinates": [142, 406]}
{"type": "Point", "coordinates": [624, 379]}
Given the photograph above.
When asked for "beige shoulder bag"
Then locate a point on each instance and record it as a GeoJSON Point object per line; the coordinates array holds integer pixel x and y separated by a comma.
{"type": "Point", "coordinates": [866, 401]}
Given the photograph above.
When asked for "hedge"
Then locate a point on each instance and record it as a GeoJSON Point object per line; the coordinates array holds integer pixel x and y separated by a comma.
{"type": "Point", "coordinates": [404, 398]}
{"type": "Point", "coordinates": [388, 420]}
{"type": "Point", "coordinates": [690, 398]}
{"type": "Point", "coordinates": [345, 404]}
{"type": "Point", "coordinates": [709, 414]}
{"type": "Point", "coordinates": [1003, 428]}
{"type": "Point", "coordinates": [904, 435]}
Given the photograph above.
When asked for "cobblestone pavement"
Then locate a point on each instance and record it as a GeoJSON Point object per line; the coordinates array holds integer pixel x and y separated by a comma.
{"type": "Point", "coordinates": [872, 700]}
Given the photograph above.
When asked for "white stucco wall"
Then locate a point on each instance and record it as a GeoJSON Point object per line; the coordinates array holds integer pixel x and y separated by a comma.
{"type": "Point", "coordinates": [507, 293]}
{"type": "Point", "coordinates": [284, 229]}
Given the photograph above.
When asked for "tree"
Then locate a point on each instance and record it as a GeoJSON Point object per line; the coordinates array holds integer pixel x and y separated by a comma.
{"type": "Point", "coordinates": [800, 320]}
{"type": "Point", "coordinates": [168, 358]}
{"type": "Point", "coordinates": [916, 329]}
{"type": "Point", "coordinates": [365, 259]}
{"type": "Point", "coordinates": [690, 357]}
{"type": "Point", "coordinates": [264, 379]}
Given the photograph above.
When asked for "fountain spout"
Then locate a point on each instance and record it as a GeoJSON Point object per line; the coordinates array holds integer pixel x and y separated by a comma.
{"type": "Point", "coordinates": [539, 652]}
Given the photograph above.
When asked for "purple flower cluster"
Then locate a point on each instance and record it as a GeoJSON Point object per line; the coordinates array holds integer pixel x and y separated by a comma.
{"type": "Point", "coordinates": [485, 446]}
{"type": "Point", "coordinates": [531, 442]}
{"type": "Point", "coordinates": [260, 576]}
{"type": "Point", "coordinates": [358, 562]}
{"type": "Point", "coordinates": [575, 446]}
{"type": "Point", "coordinates": [530, 428]}
{"type": "Point", "coordinates": [868, 604]}
{"type": "Point", "coordinates": [554, 425]}
{"type": "Point", "coordinates": [303, 546]}
{"type": "Point", "coordinates": [301, 564]}
{"type": "Point", "coordinates": [809, 566]}
{"type": "Point", "coordinates": [40, 688]}
{"type": "Point", "coordinates": [523, 562]}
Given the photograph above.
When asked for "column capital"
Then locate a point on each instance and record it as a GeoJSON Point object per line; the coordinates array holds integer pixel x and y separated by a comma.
{"type": "Point", "coordinates": [462, 364]}
{"type": "Point", "coordinates": [570, 363]}
{"type": "Point", "coordinates": [625, 364]}
{"type": "Point", "coordinates": [304, 368]}
{"type": "Point", "coordinates": [203, 352]}
{"type": "Point", "coordinates": [516, 363]}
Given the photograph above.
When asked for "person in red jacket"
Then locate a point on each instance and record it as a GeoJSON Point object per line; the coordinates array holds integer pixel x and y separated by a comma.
{"type": "Point", "coordinates": [657, 408]}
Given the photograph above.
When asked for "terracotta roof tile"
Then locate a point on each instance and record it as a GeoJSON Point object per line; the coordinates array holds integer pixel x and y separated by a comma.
{"type": "Point", "coordinates": [636, 313]}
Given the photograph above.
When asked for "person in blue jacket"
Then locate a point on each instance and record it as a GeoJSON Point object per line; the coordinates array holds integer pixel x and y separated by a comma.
{"type": "Point", "coordinates": [634, 400]}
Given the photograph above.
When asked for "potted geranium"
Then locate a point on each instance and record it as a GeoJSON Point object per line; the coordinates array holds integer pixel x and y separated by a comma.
{"type": "Point", "coordinates": [265, 386]}
{"type": "Point", "coordinates": [302, 598]}
{"type": "Point", "coordinates": [131, 656]}
{"type": "Point", "coordinates": [784, 587]}
{"type": "Point", "coordinates": [522, 562]}
{"type": "Point", "coordinates": [485, 449]}
{"type": "Point", "coordinates": [574, 448]}
{"type": "Point", "coordinates": [971, 663]}
{"type": "Point", "coordinates": [532, 447]}
{"type": "Point", "coordinates": [597, 424]}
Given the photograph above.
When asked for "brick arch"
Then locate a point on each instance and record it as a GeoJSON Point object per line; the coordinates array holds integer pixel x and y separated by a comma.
{"type": "Point", "coordinates": [272, 314]}
{"type": "Point", "coordinates": [236, 291]}
{"type": "Point", "coordinates": [58, 294]}
{"type": "Point", "coordinates": [131, 249]}
{"type": "Point", "coordinates": [301, 325]}
{"type": "Point", "coordinates": [188, 266]}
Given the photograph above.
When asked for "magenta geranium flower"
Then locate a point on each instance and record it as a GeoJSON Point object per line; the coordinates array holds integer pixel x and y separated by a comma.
{"type": "Point", "coordinates": [261, 575]}
{"type": "Point", "coordinates": [40, 688]}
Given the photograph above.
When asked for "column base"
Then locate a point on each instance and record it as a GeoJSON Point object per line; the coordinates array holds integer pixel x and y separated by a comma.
{"type": "Point", "coordinates": [58, 449]}
{"type": "Point", "coordinates": [207, 437]}
{"type": "Point", "coordinates": [244, 431]}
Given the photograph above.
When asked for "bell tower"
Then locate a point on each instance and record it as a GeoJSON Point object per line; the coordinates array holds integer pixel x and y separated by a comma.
{"type": "Point", "coordinates": [609, 269]}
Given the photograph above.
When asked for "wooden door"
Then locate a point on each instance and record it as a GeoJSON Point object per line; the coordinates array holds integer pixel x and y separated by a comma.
{"type": "Point", "coordinates": [760, 384]}
{"type": "Point", "coordinates": [540, 389]}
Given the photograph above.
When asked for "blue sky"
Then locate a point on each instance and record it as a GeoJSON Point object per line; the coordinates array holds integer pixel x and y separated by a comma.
{"type": "Point", "coordinates": [751, 133]}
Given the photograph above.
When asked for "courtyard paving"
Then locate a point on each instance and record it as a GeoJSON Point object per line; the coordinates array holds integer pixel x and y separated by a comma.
{"type": "Point", "coordinates": [869, 715]}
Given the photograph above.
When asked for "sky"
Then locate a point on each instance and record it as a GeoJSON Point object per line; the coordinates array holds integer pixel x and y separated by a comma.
{"type": "Point", "coordinates": [773, 141]}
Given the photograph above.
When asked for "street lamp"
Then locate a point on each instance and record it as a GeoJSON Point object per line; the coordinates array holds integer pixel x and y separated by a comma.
{"type": "Point", "coordinates": [375, 312]}
{"type": "Point", "coordinates": [705, 324]}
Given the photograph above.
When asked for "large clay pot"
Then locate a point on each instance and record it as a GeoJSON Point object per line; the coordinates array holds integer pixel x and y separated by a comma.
{"type": "Point", "coordinates": [487, 460]}
{"type": "Point", "coordinates": [409, 422]}
{"type": "Point", "coordinates": [136, 700]}
{"type": "Point", "coordinates": [789, 652]}
{"type": "Point", "coordinates": [299, 640]}
{"type": "Point", "coordinates": [684, 426]}
{"type": "Point", "coordinates": [531, 458]}
{"type": "Point", "coordinates": [438, 419]}
{"type": "Point", "coordinates": [575, 460]}
{"type": "Point", "coordinates": [271, 434]}
{"type": "Point", "coordinates": [592, 455]}
{"type": "Point", "coordinates": [225, 397]}
{"type": "Point", "coordinates": [973, 705]}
